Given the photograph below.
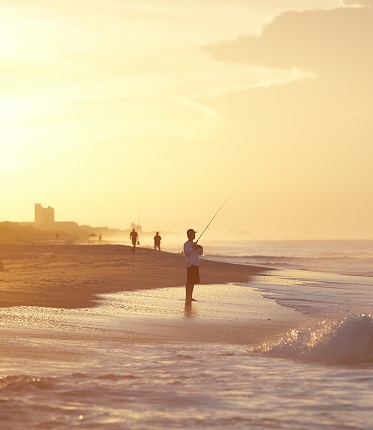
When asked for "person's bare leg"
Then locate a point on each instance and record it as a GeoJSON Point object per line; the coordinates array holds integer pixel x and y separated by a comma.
{"type": "Point", "coordinates": [191, 295]}
{"type": "Point", "coordinates": [189, 292]}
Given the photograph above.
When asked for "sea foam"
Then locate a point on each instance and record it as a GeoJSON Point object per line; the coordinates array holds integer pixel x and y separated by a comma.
{"type": "Point", "coordinates": [347, 341]}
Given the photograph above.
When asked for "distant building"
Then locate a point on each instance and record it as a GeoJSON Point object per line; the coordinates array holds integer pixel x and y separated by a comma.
{"type": "Point", "coordinates": [43, 215]}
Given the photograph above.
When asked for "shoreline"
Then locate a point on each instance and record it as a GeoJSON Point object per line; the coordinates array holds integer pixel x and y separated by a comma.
{"type": "Point", "coordinates": [93, 293]}
{"type": "Point", "coordinates": [72, 276]}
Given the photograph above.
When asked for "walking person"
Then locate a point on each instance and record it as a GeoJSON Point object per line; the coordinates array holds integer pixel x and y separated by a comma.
{"type": "Point", "coordinates": [192, 251]}
{"type": "Point", "coordinates": [157, 241]}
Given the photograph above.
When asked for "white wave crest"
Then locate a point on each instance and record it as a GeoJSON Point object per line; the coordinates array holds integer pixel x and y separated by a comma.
{"type": "Point", "coordinates": [348, 341]}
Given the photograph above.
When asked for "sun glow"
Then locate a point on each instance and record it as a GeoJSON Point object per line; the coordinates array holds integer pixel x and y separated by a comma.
{"type": "Point", "coordinates": [105, 103]}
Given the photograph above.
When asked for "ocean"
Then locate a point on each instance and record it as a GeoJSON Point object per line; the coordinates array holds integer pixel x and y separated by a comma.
{"type": "Point", "coordinates": [99, 368]}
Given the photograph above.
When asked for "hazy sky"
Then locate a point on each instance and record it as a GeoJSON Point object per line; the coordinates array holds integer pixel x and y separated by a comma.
{"type": "Point", "coordinates": [107, 106]}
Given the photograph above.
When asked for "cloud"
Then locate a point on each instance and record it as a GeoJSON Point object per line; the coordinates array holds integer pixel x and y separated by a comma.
{"type": "Point", "coordinates": [316, 40]}
{"type": "Point", "coordinates": [335, 45]}
{"type": "Point", "coordinates": [357, 2]}
{"type": "Point", "coordinates": [313, 135]}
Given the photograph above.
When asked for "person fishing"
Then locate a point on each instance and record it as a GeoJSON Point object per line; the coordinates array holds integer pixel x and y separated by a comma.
{"type": "Point", "coordinates": [192, 251]}
{"type": "Point", "coordinates": [157, 241]}
{"type": "Point", "coordinates": [134, 238]}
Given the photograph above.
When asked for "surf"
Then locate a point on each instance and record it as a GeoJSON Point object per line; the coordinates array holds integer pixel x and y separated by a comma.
{"type": "Point", "coordinates": [348, 341]}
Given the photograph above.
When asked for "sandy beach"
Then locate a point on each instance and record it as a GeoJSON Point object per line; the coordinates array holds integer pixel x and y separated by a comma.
{"type": "Point", "coordinates": [71, 276]}
{"type": "Point", "coordinates": [45, 279]}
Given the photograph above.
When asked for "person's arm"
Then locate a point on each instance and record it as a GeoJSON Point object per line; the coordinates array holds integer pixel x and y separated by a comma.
{"type": "Point", "coordinates": [187, 249]}
{"type": "Point", "coordinates": [197, 248]}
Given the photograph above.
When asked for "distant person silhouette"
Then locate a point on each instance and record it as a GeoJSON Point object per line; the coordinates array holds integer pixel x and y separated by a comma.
{"type": "Point", "coordinates": [157, 241]}
{"type": "Point", "coordinates": [134, 237]}
{"type": "Point", "coordinates": [192, 251]}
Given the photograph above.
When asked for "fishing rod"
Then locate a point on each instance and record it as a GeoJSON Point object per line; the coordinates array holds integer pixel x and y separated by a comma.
{"type": "Point", "coordinates": [212, 219]}
{"type": "Point", "coordinates": [137, 230]}
{"type": "Point", "coordinates": [138, 221]}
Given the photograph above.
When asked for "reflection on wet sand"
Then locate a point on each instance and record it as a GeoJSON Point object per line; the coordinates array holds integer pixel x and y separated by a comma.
{"type": "Point", "coordinates": [189, 311]}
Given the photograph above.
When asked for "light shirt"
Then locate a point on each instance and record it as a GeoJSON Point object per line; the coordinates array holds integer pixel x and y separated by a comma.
{"type": "Point", "coordinates": [192, 255]}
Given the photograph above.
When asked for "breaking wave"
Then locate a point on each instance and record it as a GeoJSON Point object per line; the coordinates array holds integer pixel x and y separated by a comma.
{"type": "Point", "coordinates": [348, 341]}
